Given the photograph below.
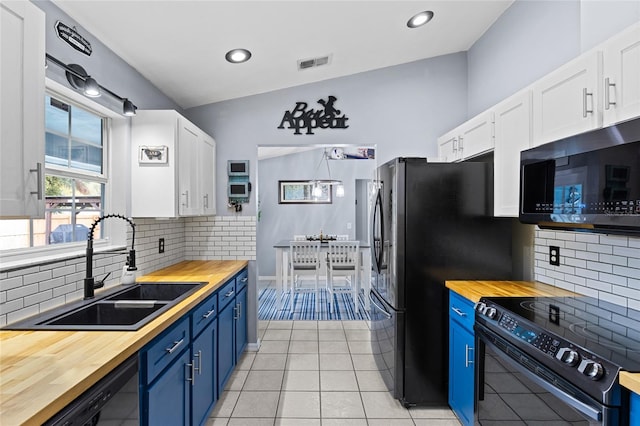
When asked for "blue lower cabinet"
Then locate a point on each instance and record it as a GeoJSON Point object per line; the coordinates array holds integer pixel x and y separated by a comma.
{"type": "Point", "coordinates": [167, 400]}
{"type": "Point", "coordinates": [226, 344]}
{"type": "Point", "coordinates": [241, 323]}
{"type": "Point", "coordinates": [204, 388]}
{"type": "Point", "coordinates": [461, 357]}
{"type": "Point", "coordinates": [634, 416]}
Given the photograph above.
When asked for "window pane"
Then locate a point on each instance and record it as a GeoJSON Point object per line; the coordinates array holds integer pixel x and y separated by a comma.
{"type": "Point", "coordinates": [56, 150]}
{"type": "Point", "coordinates": [56, 116]}
{"type": "Point", "coordinates": [86, 157]}
{"type": "Point", "coordinates": [86, 126]}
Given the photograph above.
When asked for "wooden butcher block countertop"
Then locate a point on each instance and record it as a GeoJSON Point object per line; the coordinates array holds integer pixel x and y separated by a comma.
{"type": "Point", "coordinates": [474, 290]}
{"type": "Point", "coordinates": [41, 372]}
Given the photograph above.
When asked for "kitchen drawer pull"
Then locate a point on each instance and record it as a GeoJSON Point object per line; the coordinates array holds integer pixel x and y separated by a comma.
{"type": "Point", "coordinates": [585, 109]}
{"type": "Point", "coordinates": [607, 93]}
{"type": "Point", "coordinates": [230, 293]}
{"type": "Point", "coordinates": [244, 279]}
{"type": "Point", "coordinates": [467, 361]}
{"type": "Point", "coordinates": [458, 311]}
{"type": "Point", "coordinates": [191, 379]}
{"type": "Point", "coordinates": [175, 346]}
{"type": "Point", "coordinates": [38, 172]}
{"type": "Point", "coordinates": [199, 367]}
{"type": "Point", "coordinates": [208, 314]}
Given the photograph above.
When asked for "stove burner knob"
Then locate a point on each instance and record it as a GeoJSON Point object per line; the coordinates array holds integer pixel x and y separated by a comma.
{"type": "Point", "coordinates": [568, 356]}
{"type": "Point", "coordinates": [492, 313]}
{"type": "Point", "coordinates": [480, 307]}
{"type": "Point", "coordinates": [591, 369]}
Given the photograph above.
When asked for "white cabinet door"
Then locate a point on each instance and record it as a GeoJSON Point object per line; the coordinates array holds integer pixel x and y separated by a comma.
{"type": "Point", "coordinates": [448, 147]}
{"type": "Point", "coordinates": [565, 102]}
{"type": "Point", "coordinates": [621, 98]}
{"type": "Point", "coordinates": [22, 50]}
{"type": "Point", "coordinates": [513, 135]}
{"type": "Point", "coordinates": [476, 135]}
{"type": "Point", "coordinates": [207, 158]}
{"type": "Point", "coordinates": [188, 141]}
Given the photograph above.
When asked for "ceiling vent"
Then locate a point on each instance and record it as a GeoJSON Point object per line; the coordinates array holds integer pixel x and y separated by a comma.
{"type": "Point", "coordinates": [304, 64]}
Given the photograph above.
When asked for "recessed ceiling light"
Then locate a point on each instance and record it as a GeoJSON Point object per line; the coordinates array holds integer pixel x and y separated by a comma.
{"type": "Point", "coordinates": [420, 19]}
{"type": "Point", "coordinates": [237, 56]}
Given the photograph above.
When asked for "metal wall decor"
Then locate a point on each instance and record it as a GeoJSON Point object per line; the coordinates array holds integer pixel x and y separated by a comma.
{"type": "Point", "coordinates": [72, 38]}
{"type": "Point", "coordinates": [303, 118]}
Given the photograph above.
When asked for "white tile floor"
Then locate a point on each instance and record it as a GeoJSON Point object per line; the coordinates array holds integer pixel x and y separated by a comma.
{"type": "Point", "coordinates": [315, 373]}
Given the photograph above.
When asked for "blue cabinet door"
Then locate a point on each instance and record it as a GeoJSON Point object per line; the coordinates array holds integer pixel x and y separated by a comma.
{"type": "Point", "coordinates": [204, 392]}
{"type": "Point", "coordinates": [241, 322]}
{"type": "Point", "coordinates": [168, 398]}
{"type": "Point", "coordinates": [226, 344]}
{"type": "Point", "coordinates": [634, 415]}
{"type": "Point", "coordinates": [461, 372]}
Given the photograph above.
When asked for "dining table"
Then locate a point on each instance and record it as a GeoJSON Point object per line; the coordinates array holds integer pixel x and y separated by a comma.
{"type": "Point", "coordinates": [282, 268]}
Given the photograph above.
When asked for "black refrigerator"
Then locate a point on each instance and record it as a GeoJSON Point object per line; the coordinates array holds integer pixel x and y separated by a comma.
{"type": "Point", "coordinates": [431, 222]}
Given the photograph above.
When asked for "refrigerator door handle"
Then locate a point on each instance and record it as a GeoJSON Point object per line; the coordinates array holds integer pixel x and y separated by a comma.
{"type": "Point", "coordinates": [380, 308]}
{"type": "Point", "coordinates": [378, 244]}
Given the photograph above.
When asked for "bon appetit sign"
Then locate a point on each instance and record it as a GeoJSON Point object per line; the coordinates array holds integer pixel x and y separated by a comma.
{"type": "Point", "coordinates": [302, 118]}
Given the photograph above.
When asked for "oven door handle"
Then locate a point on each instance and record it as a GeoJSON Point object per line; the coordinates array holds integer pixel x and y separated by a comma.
{"type": "Point", "coordinates": [588, 410]}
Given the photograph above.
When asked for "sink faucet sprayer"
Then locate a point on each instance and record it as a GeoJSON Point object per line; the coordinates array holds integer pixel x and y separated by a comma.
{"type": "Point", "coordinates": [89, 282]}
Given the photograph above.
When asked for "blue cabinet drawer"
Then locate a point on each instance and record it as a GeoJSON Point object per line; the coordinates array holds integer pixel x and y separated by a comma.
{"type": "Point", "coordinates": [241, 280]}
{"type": "Point", "coordinates": [461, 310]}
{"type": "Point", "coordinates": [204, 314]}
{"type": "Point", "coordinates": [158, 354]}
{"type": "Point", "coordinates": [226, 294]}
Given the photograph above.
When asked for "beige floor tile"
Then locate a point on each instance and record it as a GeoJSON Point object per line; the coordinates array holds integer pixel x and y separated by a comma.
{"type": "Point", "coordinates": [355, 325]}
{"type": "Point", "coordinates": [390, 422]}
{"type": "Point", "coordinates": [303, 362]}
{"type": "Point", "coordinates": [301, 380]}
{"type": "Point", "coordinates": [269, 362]}
{"type": "Point", "coordinates": [338, 381]}
{"type": "Point", "coordinates": [336, 362]}
{"type": "Point", "coordinates": [436, 422]}
{"type": "Point", "coordinates": [263, 324]}
{"type": "Point", "coordinates": [331, 335]}
{"type": "Point", "coordinates": [341, 405]}
{"type": "Point", "coordinates": [359, 347]}
{"type": "Point", "coordinates": [304, 335]}
{"type": "Point", "coordinates": [305, 325]}
{"type": "Point", "coordinates": [431, 413]}
{"type": "Point", "coordinates": [216, 421]}
{"type": "Point", "coordinates": [225, 405]}
{"type": "Point", "coordinates": [364, 335]}
{"type": "Point", "coordinates": [280, 325]}
{"type": "Point", "coordinates": [277, 334]}
{"type": "Point", "coordinates": [236, 381]}
{"type": "Point", "coordinates": [370, 381]}
{"type": "Point", "coordinates": [329, 325]}
{"type": "Point", "coordinates": [247, 421]}
{"type": "Point", "coordinates": [299, 404]}
{"type": "Point", "coordinates": [256, 404]}
{"type": "Point", "coordinates": [381, 405]}
{"type": "Point", "coordinates": [303, 347]}
{"type": "Point", "coordinates": [274, 347]}
{"type": "Point", "coordinates": [297, 422]}
{"type": "Point", "coordinates": [264, 380]}
{"type": "Point", "coordinates": [344, 422]}
{"type": "Point", "coordinates": [246, 361]}
{"type": "Point", "coordinates": [334, 348]}
{"type": "Point", "coordinates": [364, 362]}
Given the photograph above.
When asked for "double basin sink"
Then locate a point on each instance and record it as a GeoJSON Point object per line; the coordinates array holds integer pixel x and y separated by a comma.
{"type": "Point", "coordinates": [127, 309]}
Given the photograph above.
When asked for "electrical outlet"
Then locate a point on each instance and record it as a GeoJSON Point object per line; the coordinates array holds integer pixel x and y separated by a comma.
{"type": "Point", "coordinates": [161, 245]}
{"type": "Point", "coordinates": [554, 255]}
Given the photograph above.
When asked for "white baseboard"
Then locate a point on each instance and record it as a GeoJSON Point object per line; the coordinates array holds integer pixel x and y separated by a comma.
{"type": "Point", "coordinates": [253, 347]}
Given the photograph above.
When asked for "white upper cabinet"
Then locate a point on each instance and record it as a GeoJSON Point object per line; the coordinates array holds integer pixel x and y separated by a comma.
{"type": "Point", "coordinates": [513, 135]}
{"type": "Point", "coordinates": [468, 140]}
{"type": "Point", "coordinates": [173, 166]}
{"type": "Point", "coordinates": [22, 81]}
{"type": "Point", "coordinates": [565, 102]}
{"type": "Point", "coordinates": [621, 77]}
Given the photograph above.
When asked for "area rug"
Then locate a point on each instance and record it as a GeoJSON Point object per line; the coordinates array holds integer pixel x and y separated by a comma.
{"type": "Point", "coordinates": [304, 306]}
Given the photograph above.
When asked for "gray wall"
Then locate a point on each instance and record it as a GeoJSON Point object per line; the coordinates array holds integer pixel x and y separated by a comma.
{"type": "Point", "coordinates": [281, 221]}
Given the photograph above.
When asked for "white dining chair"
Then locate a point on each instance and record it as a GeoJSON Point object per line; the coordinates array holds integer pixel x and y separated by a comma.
{"type": "Point", "coordinates": [343, 261]}
{"type": "Point", "coordinates": [304, 259]}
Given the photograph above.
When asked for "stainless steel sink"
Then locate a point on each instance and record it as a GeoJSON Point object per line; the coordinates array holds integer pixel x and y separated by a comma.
{"type": "Point", "coordinates": [123, 309]}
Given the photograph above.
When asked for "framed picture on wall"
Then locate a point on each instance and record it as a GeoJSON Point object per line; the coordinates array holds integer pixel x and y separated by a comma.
{"type": "Point", "coordinates": [302, 192]}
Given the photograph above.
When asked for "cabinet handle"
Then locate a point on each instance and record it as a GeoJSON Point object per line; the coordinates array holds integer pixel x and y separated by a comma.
{"type": "Point", "coordinates": [175, 346]}
{"type": "Point", "coordinates": [585, 109]}
{"type": "Point", "coordinates": [607, 93]}
{"type": "Point", "coordinates": [38, 172]}
{"type": "Point", "coordinates": [458, 311]}
{"type": "Point", "coordinates": [245, 279]}
{"type": "Point", "coordinates": [460, 145]}
{"type": "Point", "coordinates": [230, 293]}
{"type": "Point", "coordinates": [191, 379]}
{"type": "Point", "coordinates": [206, 201]}
{"type": "Point", "coordinates": [199, 367]}
{"type": "Point", "coordinates": [186, 198]}
{"type": "Point", "coordinates": [467, 361]}
{"type": "Point", "coordinates": [455, 145]}
{"type": "Point", "coordinates": [208, 314]}
{"type": "Point", "coordinates": [238, 312]}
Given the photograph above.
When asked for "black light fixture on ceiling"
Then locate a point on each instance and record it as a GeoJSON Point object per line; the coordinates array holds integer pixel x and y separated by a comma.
{"type": "Point", "coordinates": [80, 80]}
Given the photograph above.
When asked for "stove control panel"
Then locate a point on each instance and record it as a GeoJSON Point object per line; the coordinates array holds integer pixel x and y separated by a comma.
{"type": "Point", "coordinates": [557, 349]}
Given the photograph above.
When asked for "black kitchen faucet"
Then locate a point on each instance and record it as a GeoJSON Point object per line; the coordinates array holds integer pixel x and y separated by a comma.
{"type": "Point", "coordinates": [89, 282]}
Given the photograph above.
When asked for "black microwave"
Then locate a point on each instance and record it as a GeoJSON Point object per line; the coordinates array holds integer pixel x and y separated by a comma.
{"type": "Point", "coordinates": [588, 182]}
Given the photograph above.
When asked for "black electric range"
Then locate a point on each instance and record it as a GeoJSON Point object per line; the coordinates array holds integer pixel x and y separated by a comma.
{"type": "Point", "coordinates": [579, 344]}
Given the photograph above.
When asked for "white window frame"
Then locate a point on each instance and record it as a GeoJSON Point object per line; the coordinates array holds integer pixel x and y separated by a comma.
{"type": "Point", "coordinates": [20, 258]}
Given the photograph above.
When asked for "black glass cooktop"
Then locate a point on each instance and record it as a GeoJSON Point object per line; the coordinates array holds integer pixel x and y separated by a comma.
{"type": "Point", "coordinates": [610, 331]}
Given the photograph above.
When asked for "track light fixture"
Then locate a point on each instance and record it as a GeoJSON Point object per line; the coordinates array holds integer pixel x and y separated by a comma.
{"type": "Point", "coordinates": [80, 80]}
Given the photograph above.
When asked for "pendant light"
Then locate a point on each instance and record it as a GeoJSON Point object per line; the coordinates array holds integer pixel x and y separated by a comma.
{"type": "Point", "coordinates": [317, 189]}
